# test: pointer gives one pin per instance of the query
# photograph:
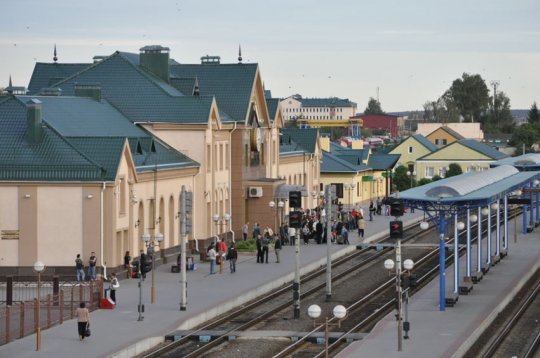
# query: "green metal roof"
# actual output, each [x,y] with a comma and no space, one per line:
[382,161]
[46,74]
[334,164]
[53,158]
[231,84]
[139,95]
[425,142]
[272,104]
[298,140]
[474,145]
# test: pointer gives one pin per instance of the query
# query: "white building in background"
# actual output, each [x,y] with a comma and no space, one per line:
[296,106]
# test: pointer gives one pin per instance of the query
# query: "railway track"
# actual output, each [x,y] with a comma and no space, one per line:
[368,309]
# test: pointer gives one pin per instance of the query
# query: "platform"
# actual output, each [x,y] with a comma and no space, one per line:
[451,332]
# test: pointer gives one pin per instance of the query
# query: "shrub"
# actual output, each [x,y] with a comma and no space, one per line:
[246,246]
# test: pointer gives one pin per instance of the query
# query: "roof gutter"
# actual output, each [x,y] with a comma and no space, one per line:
[102,232]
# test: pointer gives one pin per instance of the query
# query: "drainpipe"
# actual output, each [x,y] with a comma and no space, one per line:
[230,180]
[103,265]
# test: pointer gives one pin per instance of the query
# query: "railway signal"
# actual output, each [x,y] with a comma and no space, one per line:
[396,229]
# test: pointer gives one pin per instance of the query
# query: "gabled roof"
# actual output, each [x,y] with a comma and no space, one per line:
[231,84]
[383,161]
[272,104]
[450,131]
[298,140]
[53,158]
[473,145]
[47,74]
[333,164]
[341,151]
[139,95]
[425,142]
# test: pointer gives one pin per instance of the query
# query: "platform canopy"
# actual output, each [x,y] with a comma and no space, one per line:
[282,191]
[525,162]
[470,189]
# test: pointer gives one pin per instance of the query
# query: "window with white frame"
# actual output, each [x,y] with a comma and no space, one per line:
[430,172]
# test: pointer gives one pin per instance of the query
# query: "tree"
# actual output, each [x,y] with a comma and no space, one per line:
[499,118]
[526,134]
[401,179]
[453,170]
[373,107]
[470,95]
[424,181]
[443,110]
[534,116]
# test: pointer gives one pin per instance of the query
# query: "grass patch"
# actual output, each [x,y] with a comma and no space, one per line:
[246,246]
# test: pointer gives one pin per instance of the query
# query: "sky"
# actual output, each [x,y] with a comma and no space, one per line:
[404,52]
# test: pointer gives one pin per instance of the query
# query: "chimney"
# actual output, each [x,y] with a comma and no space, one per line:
[155,59]
[325,143]
[33,119]
[88,90]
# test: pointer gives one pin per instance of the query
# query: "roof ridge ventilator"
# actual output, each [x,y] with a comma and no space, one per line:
[465,184]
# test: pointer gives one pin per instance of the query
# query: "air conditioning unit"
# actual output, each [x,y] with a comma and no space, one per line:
[255,192]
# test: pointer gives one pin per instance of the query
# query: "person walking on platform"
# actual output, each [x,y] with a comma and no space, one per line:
[245,230]
[371,210]
[345,235]
[127,264]
[212,257]
[277,247]
[142,264]
[83,320]
[113,286]
[292,235]
[361,227]
[265,244]
[79,267]
[284,233]
[232,256]
[259,249]
[221,250]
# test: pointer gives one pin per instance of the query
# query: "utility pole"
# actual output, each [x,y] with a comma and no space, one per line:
[186,205]
[495,83]
[329,190]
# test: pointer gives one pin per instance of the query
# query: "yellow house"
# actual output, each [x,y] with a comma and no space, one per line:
[411,149]
[443,135]
[469,154]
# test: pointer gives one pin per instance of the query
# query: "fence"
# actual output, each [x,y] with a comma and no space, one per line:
[59,302]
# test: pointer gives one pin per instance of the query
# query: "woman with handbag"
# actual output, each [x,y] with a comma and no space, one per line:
[113,286]
[83,320]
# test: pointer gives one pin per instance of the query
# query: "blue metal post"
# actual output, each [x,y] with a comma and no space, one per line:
[442,259]
[505,245]
[469,258]
[479,241]
[456,256]
[489,250]
[532,207]
[498,246]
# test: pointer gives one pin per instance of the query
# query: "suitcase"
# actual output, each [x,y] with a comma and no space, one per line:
[340,240]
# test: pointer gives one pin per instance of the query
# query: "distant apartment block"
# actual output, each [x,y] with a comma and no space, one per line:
[295,107]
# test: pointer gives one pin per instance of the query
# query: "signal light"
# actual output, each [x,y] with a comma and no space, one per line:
[396,208]
[295,199]
[396,229]
[295,219]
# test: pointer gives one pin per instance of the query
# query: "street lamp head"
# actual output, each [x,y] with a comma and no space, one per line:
[389,264]
[321,193]
[408,173]
[460,225]
[473,218]
[215,217]
[314,194]
[146,237]
[414,173]
[314,311]
[518,192]
[340,312]
[226,216]
[408,264]
[353,185]
[39,266]
[485,211]
[159,237]
[281,204]
[495,206]
[536,182]
[424,225]
[272,204]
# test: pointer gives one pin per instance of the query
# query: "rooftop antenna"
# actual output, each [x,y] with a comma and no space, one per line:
[55,58]
[10,84]
[377,93]
[239,54]
[196,87]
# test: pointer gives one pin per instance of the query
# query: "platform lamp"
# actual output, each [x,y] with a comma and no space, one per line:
[314,312]
[411,175]
[150,246]
[39,267]
[408,265]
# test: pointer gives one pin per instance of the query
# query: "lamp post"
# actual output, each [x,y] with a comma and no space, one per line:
[411,175]
[407,265]
[39,267]
[350,187]
[314,311]
[150,243]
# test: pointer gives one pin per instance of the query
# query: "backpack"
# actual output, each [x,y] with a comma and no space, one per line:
[79,264]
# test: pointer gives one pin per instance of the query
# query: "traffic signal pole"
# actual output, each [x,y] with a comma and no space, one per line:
[328,210]
[183,278]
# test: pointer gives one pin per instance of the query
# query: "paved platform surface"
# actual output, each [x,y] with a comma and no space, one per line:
[451,332]
[117,333]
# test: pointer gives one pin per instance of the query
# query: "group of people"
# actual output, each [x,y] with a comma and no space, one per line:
[79,267]
[218,253]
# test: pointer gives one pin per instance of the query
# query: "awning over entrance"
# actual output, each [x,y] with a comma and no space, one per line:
[282,191]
